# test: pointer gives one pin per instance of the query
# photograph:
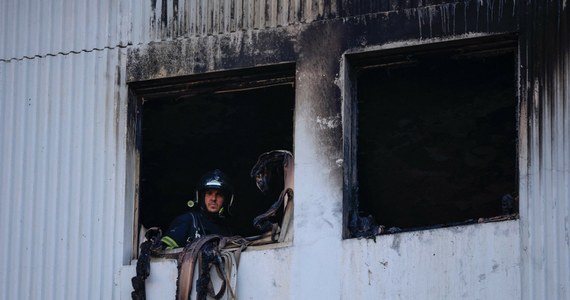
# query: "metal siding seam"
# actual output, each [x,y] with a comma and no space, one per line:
[280,13]
[210,17]
[563,262]
[142,22]
[232,15]
[152,14]
[11,31]
[8,125]
[3,33]
[53,71]
[135,29]
[83,201]
[298,12]
[542,226]
[101,184]
[26,34]
[87,201]
[123,216]
[533,211]
[566,176]
[263,16]
[549,203]
[225,20]
[273,20]
[78,38]
[105,184]
[170,20]
[17,178]
[5,204]
[248,12]
[117,138]
[59,27]
[44,27]
[29,175]
[105,32]
[175,17]
[90,26]
[38,171]
[108,255]
[114,30]
[256,15]
[62,215]
[238,15]
[6,87]
[558,185]
[192,18]
[157,21]
[40,191]
[68,231]
[216,17]
[202,17]
[227,16]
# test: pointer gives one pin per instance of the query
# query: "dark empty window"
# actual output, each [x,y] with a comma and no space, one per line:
[187,133]
[437,138]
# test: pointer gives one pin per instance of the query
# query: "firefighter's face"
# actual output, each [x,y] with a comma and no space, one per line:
[213,199]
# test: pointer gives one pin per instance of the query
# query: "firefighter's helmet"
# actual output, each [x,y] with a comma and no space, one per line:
[216,179]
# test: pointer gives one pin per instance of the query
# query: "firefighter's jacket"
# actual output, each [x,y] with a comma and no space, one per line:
[192,225]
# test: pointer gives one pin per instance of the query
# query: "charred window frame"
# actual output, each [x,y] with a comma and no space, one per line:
[219,120]
[411,120]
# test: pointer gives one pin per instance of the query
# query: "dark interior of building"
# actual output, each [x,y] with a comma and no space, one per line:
[184,137]
[437,138]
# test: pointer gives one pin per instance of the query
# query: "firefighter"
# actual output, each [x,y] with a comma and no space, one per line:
[214,196]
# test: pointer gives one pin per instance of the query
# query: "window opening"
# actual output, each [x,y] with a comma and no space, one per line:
[221,122]
[436,139]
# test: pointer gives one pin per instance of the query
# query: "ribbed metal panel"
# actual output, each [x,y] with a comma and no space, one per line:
[159,20]
[62,187]
[169,19]
[39,28]
[545,190]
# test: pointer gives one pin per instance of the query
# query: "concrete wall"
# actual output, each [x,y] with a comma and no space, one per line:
[470,262]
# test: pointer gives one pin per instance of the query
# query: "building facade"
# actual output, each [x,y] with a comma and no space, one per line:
[75,78]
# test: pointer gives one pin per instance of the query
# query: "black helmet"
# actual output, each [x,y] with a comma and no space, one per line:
[216,179]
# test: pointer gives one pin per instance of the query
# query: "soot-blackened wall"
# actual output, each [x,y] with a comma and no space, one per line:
[316,49]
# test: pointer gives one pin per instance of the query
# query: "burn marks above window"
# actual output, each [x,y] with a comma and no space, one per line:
[436,138]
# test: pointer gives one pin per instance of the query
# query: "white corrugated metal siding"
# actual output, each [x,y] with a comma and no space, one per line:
[171,19]
[62,188]
[39,28]
[545,184]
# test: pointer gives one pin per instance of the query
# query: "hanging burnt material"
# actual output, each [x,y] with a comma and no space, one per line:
[273,174]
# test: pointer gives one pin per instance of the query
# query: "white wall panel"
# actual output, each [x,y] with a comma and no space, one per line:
[467,262]
[545,166]
[62,188]
[39,28]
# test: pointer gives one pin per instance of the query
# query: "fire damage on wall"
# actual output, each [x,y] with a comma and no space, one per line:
[442,116]
[430,139]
